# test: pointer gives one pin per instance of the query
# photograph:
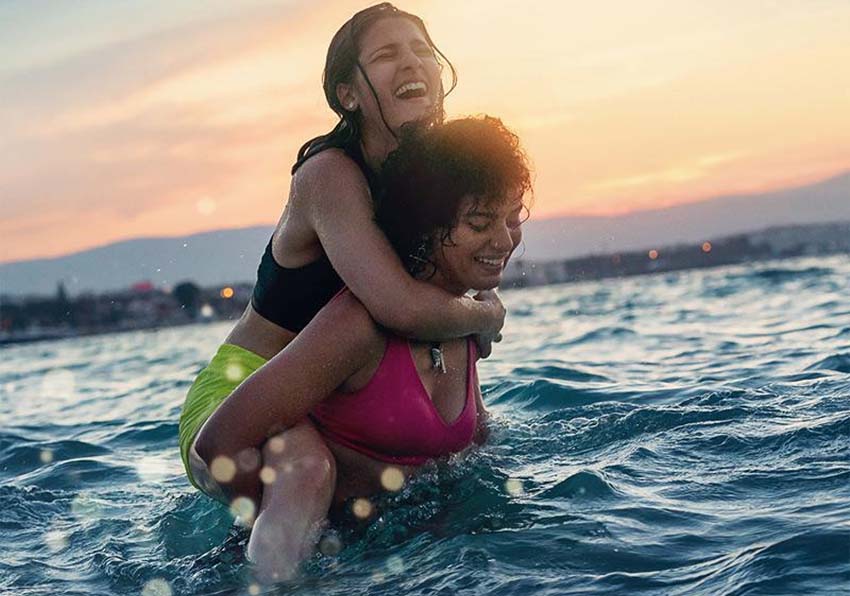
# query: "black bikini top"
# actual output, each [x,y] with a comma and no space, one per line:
[290,298]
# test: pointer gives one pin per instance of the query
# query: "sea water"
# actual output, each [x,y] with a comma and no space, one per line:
[681,433]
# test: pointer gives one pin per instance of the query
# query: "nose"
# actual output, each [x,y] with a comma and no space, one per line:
[503,237]
[410,59]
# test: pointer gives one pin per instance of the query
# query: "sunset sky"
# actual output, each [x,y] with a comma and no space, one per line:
[128,119]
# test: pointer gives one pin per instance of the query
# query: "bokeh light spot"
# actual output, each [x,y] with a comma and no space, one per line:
[234,372]
[395,564]
[58,383]
[248,459]
[56,540]
[243,510]
[706,247]
[46,456]
[156,467]
[268,475]
[276,444]
[85,507]
[330,545]
[514,487]
[254,589]
[157,587]
[207,311]
[392,478]
[223,469]
[653,254]
[206,206]
[362,508]
[226,292]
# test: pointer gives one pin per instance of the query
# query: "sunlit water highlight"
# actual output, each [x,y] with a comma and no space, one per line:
[686,433]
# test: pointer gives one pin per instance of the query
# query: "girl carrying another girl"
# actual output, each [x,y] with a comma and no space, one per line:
[452,210]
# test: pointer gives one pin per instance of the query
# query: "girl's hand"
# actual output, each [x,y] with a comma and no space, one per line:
[495,319]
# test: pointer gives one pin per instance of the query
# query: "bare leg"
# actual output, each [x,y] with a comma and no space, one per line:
[294,504]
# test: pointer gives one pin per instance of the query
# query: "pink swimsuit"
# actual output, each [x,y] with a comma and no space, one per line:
[392,418]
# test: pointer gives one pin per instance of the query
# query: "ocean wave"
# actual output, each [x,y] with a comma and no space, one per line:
[836,362]
[675,435]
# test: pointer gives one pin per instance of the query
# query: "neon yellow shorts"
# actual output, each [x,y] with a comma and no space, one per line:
[229,367]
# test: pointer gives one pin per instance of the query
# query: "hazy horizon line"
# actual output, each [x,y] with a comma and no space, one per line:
[548,217]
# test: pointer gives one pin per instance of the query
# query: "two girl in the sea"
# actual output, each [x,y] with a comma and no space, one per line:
[300,411]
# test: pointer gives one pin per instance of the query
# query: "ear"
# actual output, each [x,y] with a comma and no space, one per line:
[345,95]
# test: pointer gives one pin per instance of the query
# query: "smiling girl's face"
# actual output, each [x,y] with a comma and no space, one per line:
[403,70]
[479,246]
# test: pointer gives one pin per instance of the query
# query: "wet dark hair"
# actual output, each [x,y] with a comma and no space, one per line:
[342,63]
[434,168]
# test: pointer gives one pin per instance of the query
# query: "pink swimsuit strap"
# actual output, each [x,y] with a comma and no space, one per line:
[393,418]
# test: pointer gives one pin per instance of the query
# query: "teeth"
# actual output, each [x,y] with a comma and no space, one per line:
[491,262]
[418,85]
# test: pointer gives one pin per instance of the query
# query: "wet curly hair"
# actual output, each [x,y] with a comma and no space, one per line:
[433,169]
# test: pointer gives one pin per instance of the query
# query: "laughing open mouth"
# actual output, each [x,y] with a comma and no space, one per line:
[412,90]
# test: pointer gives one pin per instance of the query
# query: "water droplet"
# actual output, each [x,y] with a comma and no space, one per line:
[223,469]
[46,456]
[392,478]
[157,587]
[514,487]
[268,475]
[362,508]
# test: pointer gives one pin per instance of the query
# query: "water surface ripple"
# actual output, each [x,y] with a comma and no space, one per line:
[684,433]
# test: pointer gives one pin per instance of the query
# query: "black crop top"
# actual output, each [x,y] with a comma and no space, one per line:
[290,298]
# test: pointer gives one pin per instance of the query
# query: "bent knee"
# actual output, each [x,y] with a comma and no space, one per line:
[200,472]
[300,452]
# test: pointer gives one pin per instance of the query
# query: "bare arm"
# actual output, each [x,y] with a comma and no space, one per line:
[482,431]
[338,342]
[342,215]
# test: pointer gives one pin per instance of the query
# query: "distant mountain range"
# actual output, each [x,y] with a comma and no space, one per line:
[228,256]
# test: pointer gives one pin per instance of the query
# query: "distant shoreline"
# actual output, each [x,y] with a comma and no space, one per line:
[773,243]
[216,304]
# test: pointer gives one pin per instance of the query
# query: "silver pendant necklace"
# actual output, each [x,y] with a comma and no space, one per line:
[437,360]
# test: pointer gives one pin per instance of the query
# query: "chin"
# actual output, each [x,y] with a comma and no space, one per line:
[490,283]
[411,113]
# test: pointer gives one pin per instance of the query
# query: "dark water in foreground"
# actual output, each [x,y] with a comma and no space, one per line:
[674,434]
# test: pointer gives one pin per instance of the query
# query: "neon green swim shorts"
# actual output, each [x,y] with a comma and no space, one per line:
[229,367]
